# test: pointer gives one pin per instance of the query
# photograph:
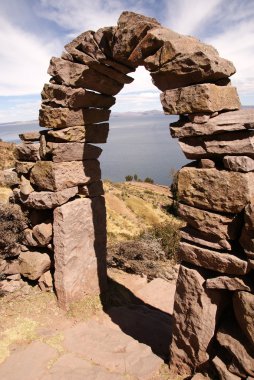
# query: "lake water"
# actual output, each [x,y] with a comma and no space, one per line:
[138,143]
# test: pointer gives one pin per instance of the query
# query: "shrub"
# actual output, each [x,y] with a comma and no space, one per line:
[128,178]
[12,224]
[148,180]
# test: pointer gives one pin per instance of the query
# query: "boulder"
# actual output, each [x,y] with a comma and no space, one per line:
[214,260]
[9,178]
[43,233]
[10,286]
[205,97]
[23,167]
[244,311]
[243,164]
[74,97]
[91,133]
[233,143]
[25,186]
[27,152]
[215,190]
[78,75]
[194,321]
[205,163]
[10,267]
[47,199]
[201,117]
[80,249]
[34,264]
[210,223]
[55,176]
[232,339]
[45,282]
[229,283]
[72,151]
[209,241]
[247,236]
[29,239]
[64,117]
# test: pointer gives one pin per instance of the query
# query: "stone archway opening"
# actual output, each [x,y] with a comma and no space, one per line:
[61,176]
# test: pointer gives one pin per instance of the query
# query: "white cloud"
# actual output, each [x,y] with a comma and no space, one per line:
[20,111]
[24,60]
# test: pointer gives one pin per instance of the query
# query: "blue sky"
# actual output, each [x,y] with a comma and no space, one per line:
[34,30]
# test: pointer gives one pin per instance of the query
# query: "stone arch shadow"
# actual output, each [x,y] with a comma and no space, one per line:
[66,176]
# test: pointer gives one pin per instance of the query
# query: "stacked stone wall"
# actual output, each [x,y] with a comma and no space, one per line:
[61,186]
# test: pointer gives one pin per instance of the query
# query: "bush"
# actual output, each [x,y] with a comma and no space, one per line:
[128,178]
[148,180]
[12,224]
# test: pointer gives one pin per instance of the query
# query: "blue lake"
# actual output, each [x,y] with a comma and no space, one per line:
[138,144]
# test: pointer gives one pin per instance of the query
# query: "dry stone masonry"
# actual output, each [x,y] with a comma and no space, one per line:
[61,189]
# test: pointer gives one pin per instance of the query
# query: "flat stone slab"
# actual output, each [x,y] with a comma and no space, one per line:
[27,151]
[91,133]
[229,283]
[209,259]
[215,190]
[205,97]
[72,151]
[29,363]
[243,164]
[64,117]
[56,176]
[47,199]
[80,249]
[112,349]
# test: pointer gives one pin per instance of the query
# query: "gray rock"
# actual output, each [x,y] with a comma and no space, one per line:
[72,151]
[27,152]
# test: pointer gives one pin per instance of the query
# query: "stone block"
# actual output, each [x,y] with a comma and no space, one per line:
[223,372]
[40,200]
[74,97]
[43,233]
[72,151]
[91,190]
[244,311]
[78,75]
[30,136]
[80,249]
[215,190]
[205,97]
[208,241]
[91,133]
[243,164]
[27,152]
[23,167]
[194,322]
[64,117]
[214,260]
[34,264]
[229,283]
[55,176]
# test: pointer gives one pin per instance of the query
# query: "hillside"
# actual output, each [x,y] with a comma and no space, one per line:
[6,155]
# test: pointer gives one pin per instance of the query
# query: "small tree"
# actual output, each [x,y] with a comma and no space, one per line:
[128,178]
[135,177]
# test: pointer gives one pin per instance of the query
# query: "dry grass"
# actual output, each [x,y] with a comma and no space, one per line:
[7,159]
[5,194]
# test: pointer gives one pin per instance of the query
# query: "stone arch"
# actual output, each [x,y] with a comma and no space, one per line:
[62,175]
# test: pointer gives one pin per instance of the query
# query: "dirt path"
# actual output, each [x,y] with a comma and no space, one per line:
[127,340]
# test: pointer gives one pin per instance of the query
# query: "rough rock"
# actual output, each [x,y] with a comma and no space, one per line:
[27,152]
[80,249]
[201,117]
[43,233]
[47,199]
[131,28]
[45,282]
[205,97]
[231,338]
[7,286]
[198,237]
[233,143]
[25,186]
[222,370]
[209,259]
[10,267]
[64,117]
[205,163]
[9,178]
[224,122]
[195,63]
[244,311]
[239,163]
[55,176]
[215,190]
[193,305]
[74,74]
[212,224]
[74,97]
[30,136]
[29,239]
[23,167]
[229,283]
[91,133]
[247,236]
[72,151]
[34,264]
[94,189]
